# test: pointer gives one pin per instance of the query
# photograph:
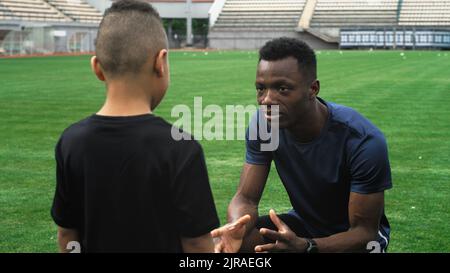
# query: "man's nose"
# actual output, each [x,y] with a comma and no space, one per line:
[269,98]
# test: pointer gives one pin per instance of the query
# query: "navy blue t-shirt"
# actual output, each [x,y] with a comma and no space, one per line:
[350,155]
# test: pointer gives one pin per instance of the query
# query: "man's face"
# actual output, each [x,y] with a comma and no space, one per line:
[281,83]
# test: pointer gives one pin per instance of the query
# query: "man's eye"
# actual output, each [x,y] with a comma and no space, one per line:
[283,89]
[259,89]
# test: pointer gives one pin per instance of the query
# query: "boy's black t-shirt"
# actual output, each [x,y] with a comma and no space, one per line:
[126,185]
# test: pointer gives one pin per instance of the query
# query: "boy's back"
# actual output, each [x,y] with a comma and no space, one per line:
[126,185]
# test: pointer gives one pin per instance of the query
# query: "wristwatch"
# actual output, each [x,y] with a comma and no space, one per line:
[311,246]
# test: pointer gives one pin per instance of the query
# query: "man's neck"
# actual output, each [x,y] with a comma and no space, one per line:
[310,127]
[125,99]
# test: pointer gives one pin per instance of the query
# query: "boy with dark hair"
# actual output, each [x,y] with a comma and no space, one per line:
[123,183]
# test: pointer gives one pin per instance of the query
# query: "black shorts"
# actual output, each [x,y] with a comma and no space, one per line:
[290,220]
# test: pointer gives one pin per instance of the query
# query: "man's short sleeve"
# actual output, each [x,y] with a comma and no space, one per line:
[254,154]
[370,170]
[196,213]
[62,210]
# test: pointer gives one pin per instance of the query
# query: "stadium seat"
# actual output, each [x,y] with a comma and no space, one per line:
[30,10]
[78,10]
[355,13]
[425,13]
[248,14]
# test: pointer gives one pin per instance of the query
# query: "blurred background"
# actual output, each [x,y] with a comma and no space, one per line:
[70,26]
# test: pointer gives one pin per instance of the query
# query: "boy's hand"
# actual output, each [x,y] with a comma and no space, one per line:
[285,239]
[228,239]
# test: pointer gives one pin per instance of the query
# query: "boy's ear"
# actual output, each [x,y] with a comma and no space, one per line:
[97,68]
[161,67]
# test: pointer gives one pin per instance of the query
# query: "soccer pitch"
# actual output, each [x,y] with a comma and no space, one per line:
[407,95]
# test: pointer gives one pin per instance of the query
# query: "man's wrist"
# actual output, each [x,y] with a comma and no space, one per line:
[301,245]
[311,246]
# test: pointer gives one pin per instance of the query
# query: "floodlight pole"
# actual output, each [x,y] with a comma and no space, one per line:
[21,39]
[189,22]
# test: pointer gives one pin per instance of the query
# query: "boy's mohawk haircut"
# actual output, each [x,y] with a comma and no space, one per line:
[131,31]
[127,5]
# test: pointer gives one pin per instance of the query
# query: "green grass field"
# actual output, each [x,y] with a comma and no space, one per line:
[407,97]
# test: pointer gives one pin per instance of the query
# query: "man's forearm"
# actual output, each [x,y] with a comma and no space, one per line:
[240,206]
[353,240]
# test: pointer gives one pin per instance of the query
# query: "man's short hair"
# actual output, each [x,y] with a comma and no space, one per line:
[130,31]
[284,47]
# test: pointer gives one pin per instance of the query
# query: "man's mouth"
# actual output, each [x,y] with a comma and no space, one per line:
[271,116]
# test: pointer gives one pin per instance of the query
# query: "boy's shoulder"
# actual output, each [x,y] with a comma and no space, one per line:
[75,129]
[147,128]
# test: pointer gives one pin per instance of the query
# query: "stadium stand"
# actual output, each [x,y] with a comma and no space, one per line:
[429,13]
[334,23]
[47,26]
[70,25]
[330,16]
[257,14]
[30,10]
[248,24]
[49,11]
[355,13]
[420,24]
[78,10]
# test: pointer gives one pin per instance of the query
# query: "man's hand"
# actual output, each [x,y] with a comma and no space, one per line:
[228,239]
[285,239]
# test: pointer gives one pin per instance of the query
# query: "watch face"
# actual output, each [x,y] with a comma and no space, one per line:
[313,249]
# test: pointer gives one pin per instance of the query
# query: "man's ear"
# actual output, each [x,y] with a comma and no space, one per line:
[161,67]
[314,89]
[97,68]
